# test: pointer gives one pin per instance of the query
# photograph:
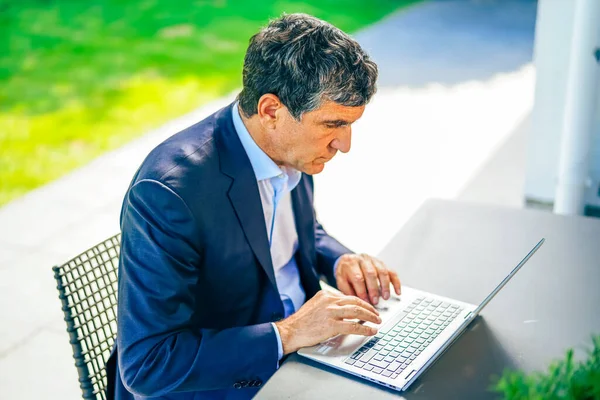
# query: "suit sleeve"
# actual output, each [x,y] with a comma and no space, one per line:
[160,352]
[328,251]
[328,248]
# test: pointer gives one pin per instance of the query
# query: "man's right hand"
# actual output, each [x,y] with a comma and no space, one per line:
[324,316]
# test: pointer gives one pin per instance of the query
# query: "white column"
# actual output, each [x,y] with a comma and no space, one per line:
[577,130]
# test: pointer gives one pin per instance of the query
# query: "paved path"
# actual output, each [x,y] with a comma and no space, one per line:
[448,121]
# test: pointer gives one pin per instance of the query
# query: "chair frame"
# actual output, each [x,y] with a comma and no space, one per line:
[86,323]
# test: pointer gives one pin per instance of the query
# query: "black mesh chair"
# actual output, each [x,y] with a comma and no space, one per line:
[87,287]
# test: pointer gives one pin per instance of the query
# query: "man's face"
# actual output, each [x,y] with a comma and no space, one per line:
[308,144]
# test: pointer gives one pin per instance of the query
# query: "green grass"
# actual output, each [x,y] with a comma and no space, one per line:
[78,78]
[564,379]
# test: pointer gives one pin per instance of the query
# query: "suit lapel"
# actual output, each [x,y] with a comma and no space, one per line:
[243,193]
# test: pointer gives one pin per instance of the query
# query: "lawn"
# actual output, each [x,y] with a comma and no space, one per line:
[78,78]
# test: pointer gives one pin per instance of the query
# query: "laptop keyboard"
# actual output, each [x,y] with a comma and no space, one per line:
[396,345]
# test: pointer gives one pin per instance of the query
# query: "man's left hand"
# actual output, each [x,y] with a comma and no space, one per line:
[365,277]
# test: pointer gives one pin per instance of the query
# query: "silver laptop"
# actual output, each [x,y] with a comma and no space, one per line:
[417,327]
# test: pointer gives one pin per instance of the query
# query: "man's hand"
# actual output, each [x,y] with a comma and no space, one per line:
[323,317]
[366,277]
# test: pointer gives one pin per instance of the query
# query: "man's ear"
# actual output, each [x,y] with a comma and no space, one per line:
[269,106]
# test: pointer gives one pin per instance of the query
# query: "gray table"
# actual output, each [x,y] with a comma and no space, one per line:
[463,250]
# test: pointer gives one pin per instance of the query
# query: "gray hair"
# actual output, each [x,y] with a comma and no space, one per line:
[305,61]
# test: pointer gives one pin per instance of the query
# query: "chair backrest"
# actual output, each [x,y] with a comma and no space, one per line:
[87,287]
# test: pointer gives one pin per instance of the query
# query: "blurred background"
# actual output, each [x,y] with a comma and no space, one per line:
[473,97]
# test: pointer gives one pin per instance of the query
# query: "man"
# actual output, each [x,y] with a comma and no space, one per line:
[221,252]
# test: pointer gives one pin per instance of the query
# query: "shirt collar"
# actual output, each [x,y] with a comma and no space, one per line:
[264,168]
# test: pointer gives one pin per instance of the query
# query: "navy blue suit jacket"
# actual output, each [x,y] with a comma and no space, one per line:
[197,291]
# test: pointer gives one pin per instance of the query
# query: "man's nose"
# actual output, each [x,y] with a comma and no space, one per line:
[343,142]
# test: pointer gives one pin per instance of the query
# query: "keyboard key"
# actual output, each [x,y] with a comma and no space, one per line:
[389,359]
[384,352]
[386,373]
[368,367]
[412,357]
[368,355]
[359,364]
[395,353]
[379,364]
[350,361]
[420,341]
[395,375]
[377,370]
[394,366]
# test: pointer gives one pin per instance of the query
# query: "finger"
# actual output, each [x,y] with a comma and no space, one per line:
[345,287]
[384,280]
[356,312]
[370,277]
[357,281]
[396,282]
[354,328]
[393,276]
[350,300]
